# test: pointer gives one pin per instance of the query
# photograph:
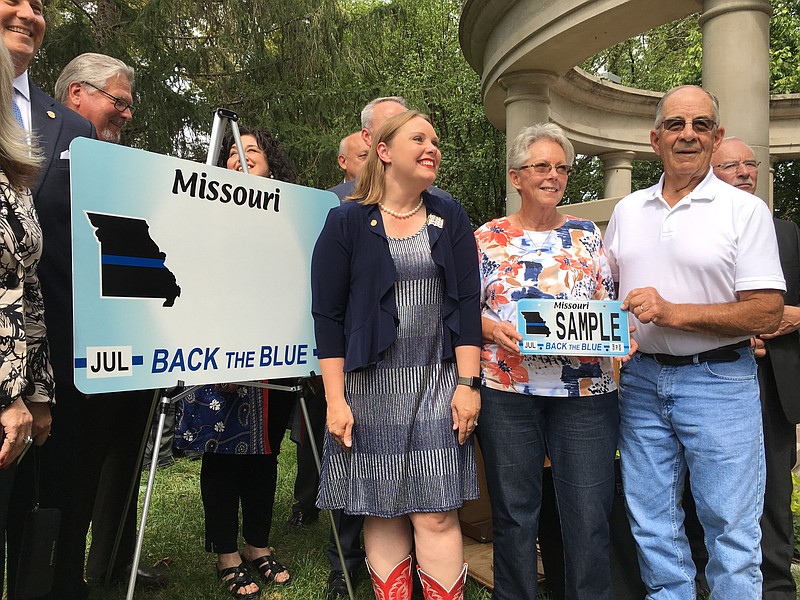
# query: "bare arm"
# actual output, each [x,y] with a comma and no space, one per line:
[789,322]
[339,415]
[756,311]
[502,333]
[466,403]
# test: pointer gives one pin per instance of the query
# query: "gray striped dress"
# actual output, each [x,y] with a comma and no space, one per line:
[405,456]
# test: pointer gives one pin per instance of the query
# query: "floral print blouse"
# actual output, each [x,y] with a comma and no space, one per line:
[565,263]
[24,353]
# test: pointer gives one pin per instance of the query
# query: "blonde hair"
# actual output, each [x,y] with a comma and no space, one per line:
[18,159]
[371,182]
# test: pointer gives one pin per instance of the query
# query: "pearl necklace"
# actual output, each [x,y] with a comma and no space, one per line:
[400,215]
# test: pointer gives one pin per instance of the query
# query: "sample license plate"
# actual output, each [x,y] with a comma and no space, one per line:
[573,327]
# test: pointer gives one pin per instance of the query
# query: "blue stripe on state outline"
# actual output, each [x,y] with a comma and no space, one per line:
[132,261]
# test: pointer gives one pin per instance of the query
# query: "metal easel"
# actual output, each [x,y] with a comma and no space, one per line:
[222,116]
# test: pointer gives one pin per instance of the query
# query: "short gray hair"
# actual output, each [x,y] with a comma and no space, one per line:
[660,106]
[366,112]
[95,69]
[530,135]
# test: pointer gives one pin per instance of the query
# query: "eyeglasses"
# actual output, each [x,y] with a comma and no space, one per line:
[700,125]
[543,168]
[749,165]
[119,104]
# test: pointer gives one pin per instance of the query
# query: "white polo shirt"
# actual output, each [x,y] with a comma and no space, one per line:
[715,242]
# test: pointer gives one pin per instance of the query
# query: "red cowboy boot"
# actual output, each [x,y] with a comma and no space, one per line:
[397,586]
[433,590]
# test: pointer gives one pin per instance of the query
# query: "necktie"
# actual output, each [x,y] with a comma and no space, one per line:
[17,111]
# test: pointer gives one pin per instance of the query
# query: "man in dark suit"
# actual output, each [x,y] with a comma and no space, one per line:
[54,127]
[779,378]
[100,89]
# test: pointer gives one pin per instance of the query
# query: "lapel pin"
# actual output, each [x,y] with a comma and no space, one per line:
[51,114]
[373,222]
[435,220]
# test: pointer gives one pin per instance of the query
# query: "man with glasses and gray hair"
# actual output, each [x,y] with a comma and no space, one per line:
[99,88]
[696,262]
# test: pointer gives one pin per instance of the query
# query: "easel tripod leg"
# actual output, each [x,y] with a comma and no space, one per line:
[163,406]
[334,529]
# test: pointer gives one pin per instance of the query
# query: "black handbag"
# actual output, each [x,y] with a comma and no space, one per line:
[37,557]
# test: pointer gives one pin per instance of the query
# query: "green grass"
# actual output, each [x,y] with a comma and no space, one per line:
[174,538]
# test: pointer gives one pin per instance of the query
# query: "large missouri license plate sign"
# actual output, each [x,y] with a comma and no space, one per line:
[573,327]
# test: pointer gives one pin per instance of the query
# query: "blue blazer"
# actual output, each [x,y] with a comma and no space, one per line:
[353,275]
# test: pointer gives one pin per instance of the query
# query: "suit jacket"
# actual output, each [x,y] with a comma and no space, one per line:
[784,351]
[353,277]
[55,126]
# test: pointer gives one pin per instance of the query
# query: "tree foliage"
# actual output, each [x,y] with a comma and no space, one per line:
[304,69]
[672,54]
[301,68]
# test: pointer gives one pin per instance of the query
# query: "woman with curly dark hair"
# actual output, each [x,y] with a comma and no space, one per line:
[239,431]
[265,156]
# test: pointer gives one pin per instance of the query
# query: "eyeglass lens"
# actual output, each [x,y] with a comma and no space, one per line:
[544,168]
[700,125]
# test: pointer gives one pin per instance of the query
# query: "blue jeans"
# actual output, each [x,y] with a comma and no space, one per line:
[705,416]
[580,436]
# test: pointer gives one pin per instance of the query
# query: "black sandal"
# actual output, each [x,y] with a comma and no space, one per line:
[267,567]
[234,579]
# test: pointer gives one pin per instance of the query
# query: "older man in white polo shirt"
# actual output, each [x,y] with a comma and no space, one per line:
[697,265]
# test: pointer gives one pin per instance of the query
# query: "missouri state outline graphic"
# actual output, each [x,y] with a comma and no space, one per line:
[131,263]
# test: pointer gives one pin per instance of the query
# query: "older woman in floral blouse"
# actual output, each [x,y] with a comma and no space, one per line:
[563,407]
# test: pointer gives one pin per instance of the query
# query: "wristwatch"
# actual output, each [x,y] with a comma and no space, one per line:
[473,382]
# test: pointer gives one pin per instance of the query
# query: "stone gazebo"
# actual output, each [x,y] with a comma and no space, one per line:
[526,50]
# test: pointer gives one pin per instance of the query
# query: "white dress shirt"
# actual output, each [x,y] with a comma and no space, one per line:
[22,94]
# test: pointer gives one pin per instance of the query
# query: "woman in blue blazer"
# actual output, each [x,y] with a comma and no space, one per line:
[396,310]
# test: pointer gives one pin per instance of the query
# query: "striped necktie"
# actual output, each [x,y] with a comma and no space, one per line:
[17,111]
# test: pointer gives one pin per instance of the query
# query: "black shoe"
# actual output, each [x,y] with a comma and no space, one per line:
[146,577]
[337,587]
[163,463]
[301,519]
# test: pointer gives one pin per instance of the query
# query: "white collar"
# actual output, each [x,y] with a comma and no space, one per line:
[22,85]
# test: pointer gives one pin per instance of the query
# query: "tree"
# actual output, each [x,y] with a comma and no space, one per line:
[672,55]
[301,68]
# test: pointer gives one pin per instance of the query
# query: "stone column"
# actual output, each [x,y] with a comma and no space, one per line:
[617,169]
[771,200]
[736,69]
[527,102]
